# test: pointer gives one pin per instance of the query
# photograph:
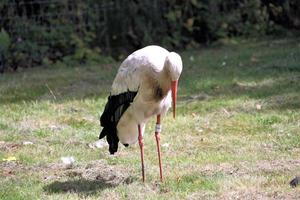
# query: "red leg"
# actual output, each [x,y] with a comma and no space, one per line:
[157,136]
[141,143]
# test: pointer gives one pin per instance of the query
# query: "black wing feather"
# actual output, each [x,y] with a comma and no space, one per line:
[113,111]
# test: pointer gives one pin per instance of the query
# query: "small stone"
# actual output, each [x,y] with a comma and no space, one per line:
[98,144]
[68,161]
[27,143]
[258,106]
[166,145]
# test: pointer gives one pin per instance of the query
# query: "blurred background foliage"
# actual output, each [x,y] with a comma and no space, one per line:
[68,32]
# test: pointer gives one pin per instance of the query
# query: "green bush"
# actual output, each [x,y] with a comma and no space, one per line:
[4,41]
[4,48]
[43,33]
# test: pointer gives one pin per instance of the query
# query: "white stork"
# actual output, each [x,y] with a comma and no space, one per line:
[145,85]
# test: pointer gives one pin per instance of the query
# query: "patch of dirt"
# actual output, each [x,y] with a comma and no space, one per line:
[101,171]
[202,195]
[9,146]
[278,165]
[255,194]
[8,169]
[212,169]
[85,178]
[96,171]
[247,167]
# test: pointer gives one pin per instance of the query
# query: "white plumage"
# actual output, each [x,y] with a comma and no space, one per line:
[142,71]
[153,73]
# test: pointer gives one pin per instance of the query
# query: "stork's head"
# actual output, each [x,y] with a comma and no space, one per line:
[174,66]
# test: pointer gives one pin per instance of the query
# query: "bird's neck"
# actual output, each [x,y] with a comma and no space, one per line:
[164,80]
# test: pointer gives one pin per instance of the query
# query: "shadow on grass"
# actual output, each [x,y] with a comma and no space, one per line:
[82,186]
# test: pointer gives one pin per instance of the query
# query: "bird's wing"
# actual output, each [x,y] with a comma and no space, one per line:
[127,78]
[114,109]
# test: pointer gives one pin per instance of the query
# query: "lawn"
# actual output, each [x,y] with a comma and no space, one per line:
[236,135]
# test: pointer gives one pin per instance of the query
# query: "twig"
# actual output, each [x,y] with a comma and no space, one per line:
[51,91]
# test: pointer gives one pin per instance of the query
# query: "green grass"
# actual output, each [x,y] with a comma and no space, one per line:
[236,133]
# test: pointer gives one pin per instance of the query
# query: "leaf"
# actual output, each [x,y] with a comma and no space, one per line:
[10,158]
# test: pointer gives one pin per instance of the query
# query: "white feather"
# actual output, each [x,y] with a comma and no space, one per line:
[144,71]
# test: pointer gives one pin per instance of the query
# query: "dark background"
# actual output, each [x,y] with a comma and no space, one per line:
[70,32]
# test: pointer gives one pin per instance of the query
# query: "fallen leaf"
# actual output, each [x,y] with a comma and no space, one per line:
[10,158]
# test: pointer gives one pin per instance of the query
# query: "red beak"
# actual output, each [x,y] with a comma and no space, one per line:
[174,96]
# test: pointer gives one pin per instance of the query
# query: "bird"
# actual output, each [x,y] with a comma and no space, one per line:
[145,86]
